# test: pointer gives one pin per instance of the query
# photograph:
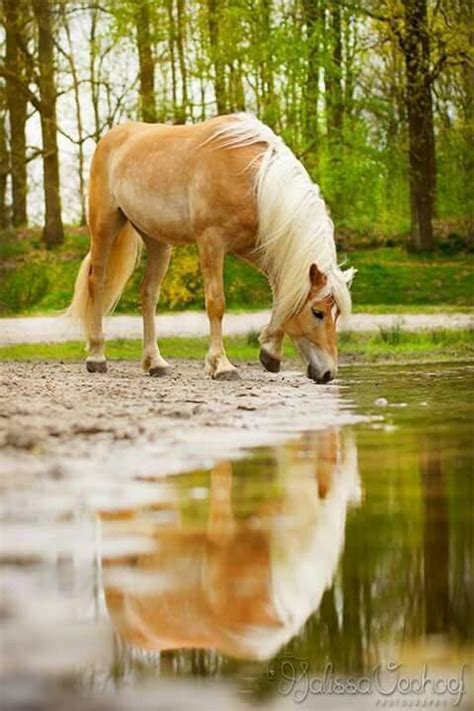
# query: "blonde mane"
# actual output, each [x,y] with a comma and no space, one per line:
[295,229]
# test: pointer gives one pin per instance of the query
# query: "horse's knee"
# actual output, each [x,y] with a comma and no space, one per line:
[215,305]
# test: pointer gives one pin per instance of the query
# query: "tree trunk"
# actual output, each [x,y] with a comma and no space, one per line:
[80,125]
[333,76]
[422,161]
[269,103]
[53,232]
[16,104]
[171,46]
[4,165]
[236,87]
[214,38]
[311,11]
[146,63]
[94,79]
[180,42]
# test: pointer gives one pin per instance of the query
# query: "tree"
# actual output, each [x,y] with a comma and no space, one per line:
[213,7]
[53,232]
[422,161]
[333,75]
[4,169]
[146,63]
[312,16]
[81,137]
[17,106]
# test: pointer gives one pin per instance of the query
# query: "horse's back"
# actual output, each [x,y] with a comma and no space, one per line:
[174,181]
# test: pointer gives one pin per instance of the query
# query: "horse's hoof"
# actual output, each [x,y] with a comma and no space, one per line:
[96,366]
[269,362]
[227,375]
[158,372]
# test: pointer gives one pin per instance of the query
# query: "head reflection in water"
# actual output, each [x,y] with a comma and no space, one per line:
[246,579]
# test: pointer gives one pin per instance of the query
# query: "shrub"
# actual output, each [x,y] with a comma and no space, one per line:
[19,291]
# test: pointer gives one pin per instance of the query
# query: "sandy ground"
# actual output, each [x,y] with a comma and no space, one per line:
[99,433]
[56,329]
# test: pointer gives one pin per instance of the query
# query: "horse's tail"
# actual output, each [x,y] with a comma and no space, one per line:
[124,256]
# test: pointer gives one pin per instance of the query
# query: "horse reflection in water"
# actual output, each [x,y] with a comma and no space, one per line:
[242,583]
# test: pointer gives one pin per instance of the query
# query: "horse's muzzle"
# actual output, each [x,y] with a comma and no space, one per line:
[319,377]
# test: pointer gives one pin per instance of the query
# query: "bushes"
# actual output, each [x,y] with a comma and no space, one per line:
[20,291]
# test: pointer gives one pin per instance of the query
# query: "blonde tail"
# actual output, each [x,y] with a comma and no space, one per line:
[123,258]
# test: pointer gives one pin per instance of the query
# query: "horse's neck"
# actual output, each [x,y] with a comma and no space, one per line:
[252,257]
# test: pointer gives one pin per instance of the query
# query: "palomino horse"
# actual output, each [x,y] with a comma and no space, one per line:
[230,185]
[244,579]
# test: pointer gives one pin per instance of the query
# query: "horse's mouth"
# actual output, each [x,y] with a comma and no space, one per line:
[316,375]
[319,367]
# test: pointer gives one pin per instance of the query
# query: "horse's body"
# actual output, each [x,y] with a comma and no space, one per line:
[230,186]
[229,584]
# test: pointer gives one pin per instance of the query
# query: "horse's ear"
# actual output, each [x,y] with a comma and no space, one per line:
[317,278]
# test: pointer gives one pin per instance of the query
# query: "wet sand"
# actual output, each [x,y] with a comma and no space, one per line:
[58,421]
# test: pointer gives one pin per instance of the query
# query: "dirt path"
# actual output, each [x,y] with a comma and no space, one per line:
[94,435]
[56,329]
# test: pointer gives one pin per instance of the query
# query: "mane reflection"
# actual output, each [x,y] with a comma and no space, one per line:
[243,568]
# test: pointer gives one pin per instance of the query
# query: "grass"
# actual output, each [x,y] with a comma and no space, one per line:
[390,279]
[387,345]
[36,281]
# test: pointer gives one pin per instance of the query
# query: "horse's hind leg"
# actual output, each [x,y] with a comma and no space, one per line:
[104,229]
[211,253]
[158,260]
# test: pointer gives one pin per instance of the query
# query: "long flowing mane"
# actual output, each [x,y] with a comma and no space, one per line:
[295,229]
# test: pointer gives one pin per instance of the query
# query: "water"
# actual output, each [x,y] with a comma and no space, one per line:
[350,547]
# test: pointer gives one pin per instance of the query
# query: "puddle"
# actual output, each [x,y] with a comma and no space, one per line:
[349,546]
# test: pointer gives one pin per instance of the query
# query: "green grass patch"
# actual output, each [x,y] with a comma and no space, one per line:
[390,344]
[34,280]
[394,279]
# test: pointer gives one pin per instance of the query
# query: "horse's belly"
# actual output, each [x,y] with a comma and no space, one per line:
[151,191]
[157,214]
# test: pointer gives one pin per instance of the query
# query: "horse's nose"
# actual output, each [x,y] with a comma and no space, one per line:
[314,375]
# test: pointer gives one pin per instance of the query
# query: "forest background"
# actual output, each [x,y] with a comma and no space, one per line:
[375,98]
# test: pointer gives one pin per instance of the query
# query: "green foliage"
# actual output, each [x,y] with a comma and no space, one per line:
[34,280]
[20,291]
[392,336]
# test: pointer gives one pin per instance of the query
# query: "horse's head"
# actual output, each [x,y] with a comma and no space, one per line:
[313,329]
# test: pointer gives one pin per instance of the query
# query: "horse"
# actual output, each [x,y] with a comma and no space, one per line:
[241,581]
[229,185]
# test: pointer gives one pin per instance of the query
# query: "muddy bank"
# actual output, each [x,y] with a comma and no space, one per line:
[59,422]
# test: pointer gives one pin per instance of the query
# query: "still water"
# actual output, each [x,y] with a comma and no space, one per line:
[334,555]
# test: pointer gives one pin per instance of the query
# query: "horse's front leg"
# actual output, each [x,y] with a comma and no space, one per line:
[271,337]
[211,254]
[157,264]
[271,341]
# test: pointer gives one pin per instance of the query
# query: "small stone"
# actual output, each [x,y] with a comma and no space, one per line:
[381,402]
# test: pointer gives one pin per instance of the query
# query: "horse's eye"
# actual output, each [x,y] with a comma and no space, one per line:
[318,314]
